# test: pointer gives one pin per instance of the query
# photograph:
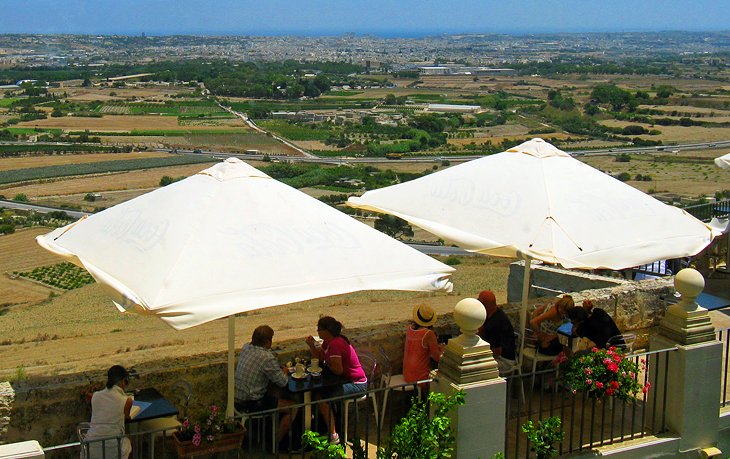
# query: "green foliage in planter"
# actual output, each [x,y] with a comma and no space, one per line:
[543,436]
[420,435]
[64,275]
[321,447]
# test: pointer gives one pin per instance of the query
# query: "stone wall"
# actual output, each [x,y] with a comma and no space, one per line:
[48,409]
[7,396]
[548,281]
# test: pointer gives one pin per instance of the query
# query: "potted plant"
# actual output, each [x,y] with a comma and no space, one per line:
[604,372]
[424,434]
[320,446]
[543,436]
[208,433]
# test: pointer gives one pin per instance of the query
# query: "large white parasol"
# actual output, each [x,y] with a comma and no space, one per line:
[535,201]
[231,239]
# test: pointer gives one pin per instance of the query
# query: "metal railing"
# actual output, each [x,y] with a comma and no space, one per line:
[368,429]
[723,335]
[586,421]
[707,212]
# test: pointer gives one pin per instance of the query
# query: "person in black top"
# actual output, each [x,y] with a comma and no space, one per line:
[498,332]
[594,324]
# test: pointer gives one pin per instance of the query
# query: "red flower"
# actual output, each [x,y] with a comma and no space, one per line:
[616,358]
[613,368]
[599,385]
[589,370]
[614,384]
[609,391]
[594,349]
[589,382]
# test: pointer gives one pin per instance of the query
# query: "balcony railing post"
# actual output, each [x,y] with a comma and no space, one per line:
[693,373]
[468,365]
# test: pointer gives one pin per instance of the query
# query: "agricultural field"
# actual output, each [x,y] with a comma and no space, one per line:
[102,167]
[56,160]
[131,180]
[19,252]
[65,276]
[120,123]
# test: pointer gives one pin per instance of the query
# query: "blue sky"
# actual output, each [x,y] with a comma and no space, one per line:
[381,17]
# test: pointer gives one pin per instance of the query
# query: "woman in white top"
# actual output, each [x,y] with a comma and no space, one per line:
[110,407]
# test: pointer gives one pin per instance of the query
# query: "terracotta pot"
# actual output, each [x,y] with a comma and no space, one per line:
[224,442]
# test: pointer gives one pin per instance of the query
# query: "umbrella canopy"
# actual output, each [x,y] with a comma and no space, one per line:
[537,201]
[723,162]
[231,239]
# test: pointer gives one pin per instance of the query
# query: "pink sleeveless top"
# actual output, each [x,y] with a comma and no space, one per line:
[416,357]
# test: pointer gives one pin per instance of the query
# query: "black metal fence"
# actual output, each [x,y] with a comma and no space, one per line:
[707,212]
[366,427]
[586,421]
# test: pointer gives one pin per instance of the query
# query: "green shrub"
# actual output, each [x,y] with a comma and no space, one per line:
[543,436]
[420,435]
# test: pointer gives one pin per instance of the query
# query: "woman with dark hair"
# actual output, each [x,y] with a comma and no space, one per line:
[341,359]
[110,407]
[595,324]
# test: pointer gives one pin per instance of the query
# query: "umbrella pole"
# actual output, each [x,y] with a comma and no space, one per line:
[525,298]
[231,364]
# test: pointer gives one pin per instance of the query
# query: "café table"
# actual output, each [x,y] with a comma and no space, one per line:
[153,405]
[310,384]
[156,413]
[566,336]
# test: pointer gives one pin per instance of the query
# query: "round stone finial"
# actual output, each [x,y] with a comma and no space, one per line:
[689,282]
[469,315]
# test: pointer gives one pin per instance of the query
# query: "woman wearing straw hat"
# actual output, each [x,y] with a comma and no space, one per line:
[421,345]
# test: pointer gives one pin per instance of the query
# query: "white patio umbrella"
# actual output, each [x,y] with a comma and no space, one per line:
[723,162]
[535,201]
[231,239]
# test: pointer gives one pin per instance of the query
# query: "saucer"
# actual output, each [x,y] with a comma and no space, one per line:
[297,376]
[317,370]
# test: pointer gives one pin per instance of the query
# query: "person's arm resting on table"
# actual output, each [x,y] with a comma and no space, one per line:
[274,372]
[537,320]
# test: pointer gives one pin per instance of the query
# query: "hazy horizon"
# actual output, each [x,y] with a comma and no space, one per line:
[407,18]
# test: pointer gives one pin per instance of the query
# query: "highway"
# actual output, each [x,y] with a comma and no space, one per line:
[666,149]
[41,209]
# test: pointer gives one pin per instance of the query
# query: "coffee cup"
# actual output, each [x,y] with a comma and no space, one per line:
[314,365]
[299,369]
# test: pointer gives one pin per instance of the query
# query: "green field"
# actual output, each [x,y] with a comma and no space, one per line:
[296,131]
[65,275]
[9,150]
[7,102]
[65,170]
[168,109]
[32,131]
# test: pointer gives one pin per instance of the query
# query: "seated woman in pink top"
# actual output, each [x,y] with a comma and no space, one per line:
[421,345]
[341,359]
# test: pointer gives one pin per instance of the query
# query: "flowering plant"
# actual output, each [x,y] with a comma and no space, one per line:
[604,372]
[207,427]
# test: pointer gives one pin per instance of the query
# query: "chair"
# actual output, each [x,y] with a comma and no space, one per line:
[530,352]
[369,364]
[516,368]
[81,429]
[624,341]
[392,382]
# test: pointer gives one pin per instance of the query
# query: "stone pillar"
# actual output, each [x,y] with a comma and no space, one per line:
[695,369]
[7,396]
[468,365]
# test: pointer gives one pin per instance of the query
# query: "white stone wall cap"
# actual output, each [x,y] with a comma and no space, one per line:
[469,314]
[689,282]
